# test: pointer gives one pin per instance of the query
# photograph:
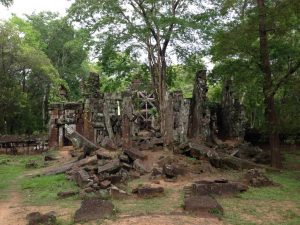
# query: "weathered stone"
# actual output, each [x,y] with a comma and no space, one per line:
[255,178]
[104,154]
[202,204]
[126,166]
[124,158]
[141,166]
[169,171]
[219,188]
[37,218]
[148,191]
[145,145]
[156,172]
[112,166]
[134,174]
[117,193]
[108,143]
[89,190]
[105,184]
[115,178]
[157,141]
[135,154]
[82,178]
[67,194]
[94,209]
[172,170]
[87,161]
[49,158]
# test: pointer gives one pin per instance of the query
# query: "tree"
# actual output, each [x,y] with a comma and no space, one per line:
[64,46]
[147,25]
[26,77]
[264,36]
[6,2]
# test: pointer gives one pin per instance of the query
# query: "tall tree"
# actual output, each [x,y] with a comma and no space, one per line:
[64,46]
[145,25]
[263,36]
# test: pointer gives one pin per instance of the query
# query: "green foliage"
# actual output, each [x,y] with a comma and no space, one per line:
[236,53]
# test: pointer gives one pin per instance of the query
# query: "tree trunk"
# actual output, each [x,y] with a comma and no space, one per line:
[270,111]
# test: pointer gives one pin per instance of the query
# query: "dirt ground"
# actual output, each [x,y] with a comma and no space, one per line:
[13,209]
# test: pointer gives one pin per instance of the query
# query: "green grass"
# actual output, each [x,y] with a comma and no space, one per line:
[43,190]
[276,205]
[11,168]
[37,190]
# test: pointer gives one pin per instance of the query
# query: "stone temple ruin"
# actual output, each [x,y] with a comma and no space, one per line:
[130,119]
[107,122]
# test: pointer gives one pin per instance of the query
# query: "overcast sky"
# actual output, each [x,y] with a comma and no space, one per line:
[21,7]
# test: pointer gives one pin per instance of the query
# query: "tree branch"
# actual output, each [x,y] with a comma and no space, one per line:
[291,71]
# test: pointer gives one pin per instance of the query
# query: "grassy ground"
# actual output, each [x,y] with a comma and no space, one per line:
[11,169]
[271,205]
[35,190]
[279,205]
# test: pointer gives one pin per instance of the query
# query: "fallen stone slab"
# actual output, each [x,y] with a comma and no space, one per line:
[67,194]
[112,166]
[141,166]
[82,178]
[217,187]
[94,209]
[65,167]
[105,184]
[103,153]
[148,191]
[135,154]
[202,204]
[36,218]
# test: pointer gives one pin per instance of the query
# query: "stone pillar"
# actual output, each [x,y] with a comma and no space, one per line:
[127,116]
[53,130]
[199,113]
[169,120]
[233,117]
[61,136]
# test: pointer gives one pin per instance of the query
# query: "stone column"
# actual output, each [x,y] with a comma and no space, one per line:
[127,116]
[199,113]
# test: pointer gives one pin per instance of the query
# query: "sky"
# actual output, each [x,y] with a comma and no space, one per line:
[21,7]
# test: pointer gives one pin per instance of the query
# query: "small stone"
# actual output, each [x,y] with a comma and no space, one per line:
[105,184]
[67,194]
[88,190]
[117,193]
[124,158]
[141,166]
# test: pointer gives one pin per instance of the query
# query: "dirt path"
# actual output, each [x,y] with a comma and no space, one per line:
[7,207]
[165,220]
